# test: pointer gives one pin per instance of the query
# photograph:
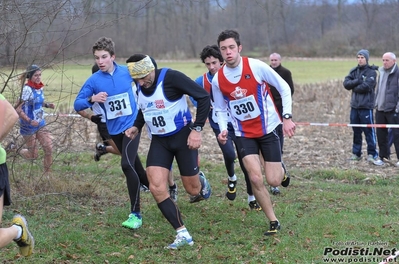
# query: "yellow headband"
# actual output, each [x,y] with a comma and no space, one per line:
[140,69]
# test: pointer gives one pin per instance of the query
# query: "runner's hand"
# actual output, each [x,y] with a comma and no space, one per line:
[222,137]
[132,132]
[96,118]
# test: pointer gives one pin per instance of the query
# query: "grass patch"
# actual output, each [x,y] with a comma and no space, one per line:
[76,217]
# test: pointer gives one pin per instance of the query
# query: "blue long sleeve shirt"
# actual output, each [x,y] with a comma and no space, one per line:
[121,107]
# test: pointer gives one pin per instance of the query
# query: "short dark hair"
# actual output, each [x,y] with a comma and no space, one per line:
[211,51]
[106,44]
[229,33]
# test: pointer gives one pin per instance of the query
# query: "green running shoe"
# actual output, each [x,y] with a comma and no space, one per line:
[133,222]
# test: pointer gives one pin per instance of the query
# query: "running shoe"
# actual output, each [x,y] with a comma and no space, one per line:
[26,242]
[274,228]
[206,189]
[173,193]
[101,149]
[133,222]
[253,205]
[231,190]
[10,146]
[181,241]
[144,188]
[274,190]
[196,198]
[286,180]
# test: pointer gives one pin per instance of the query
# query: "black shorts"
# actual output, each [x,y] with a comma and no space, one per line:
[164,149]
[5,184]
[268,145]
[103,130]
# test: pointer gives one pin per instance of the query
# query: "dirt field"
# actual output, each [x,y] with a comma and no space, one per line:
[313,147]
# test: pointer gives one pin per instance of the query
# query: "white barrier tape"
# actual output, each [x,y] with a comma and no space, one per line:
[297,123]
[63,115]
[347,125]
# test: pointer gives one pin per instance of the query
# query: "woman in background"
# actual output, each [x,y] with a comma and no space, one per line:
[31,115]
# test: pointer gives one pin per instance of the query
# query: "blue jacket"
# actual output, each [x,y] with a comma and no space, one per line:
[117,84]
[361,80]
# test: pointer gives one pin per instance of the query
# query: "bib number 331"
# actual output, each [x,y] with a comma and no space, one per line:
[118,105]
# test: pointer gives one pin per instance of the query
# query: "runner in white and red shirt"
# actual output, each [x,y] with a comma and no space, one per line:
[241,89]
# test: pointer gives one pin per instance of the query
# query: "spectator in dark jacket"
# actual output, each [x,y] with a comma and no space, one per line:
[275,63]
[361,80]
[387,104]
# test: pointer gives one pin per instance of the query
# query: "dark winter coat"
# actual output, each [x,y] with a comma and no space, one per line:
[287,76]
[362,80]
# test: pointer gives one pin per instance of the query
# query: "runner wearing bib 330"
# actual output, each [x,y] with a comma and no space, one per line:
[241,87]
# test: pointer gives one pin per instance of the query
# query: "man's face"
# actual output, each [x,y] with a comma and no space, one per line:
[361,60]
[387,61]
[147,81]
[104,60]
[274,61]
[230,52]
[212,64]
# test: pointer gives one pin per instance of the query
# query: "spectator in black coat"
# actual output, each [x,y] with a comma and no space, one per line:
[361,80]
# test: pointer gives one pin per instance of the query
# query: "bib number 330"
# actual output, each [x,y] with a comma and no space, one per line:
[245,108]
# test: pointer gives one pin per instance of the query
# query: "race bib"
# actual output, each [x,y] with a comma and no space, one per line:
[118,105]
[38,115]
[245,108]
[160,122]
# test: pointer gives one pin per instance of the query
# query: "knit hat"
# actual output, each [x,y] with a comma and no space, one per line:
[142,68]
[364,53]
[31,70]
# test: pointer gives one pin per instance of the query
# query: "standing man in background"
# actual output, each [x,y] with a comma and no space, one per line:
[275,63]
[361,80]
[387,104]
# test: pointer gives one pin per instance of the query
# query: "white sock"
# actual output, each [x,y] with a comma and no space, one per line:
[183,232]
[251,198]
[233,178]
[19,232]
